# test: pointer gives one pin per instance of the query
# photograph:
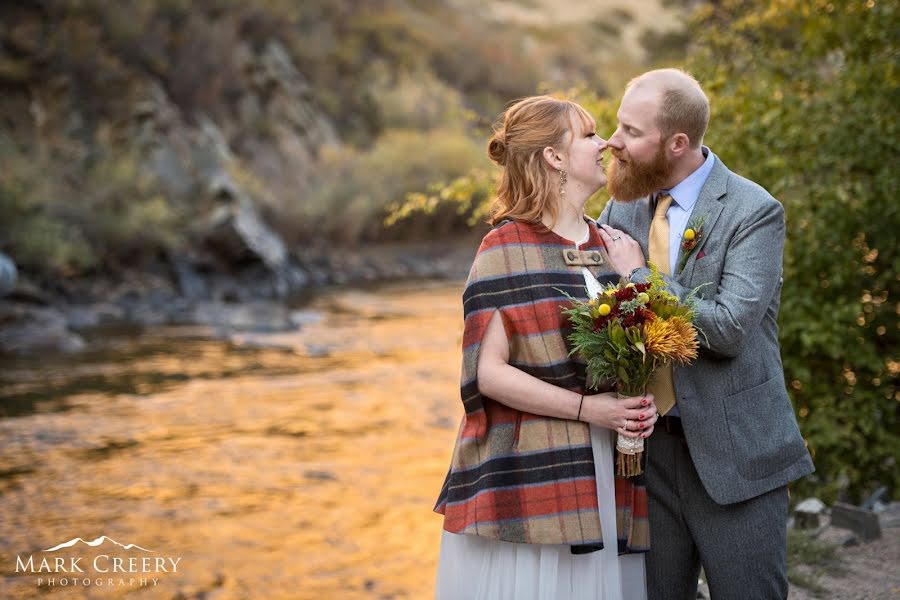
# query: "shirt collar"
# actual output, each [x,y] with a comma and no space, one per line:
[687,191]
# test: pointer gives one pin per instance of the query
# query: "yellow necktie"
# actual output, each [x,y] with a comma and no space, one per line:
[661,384]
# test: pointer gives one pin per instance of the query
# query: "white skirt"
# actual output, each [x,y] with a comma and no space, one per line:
[476,568]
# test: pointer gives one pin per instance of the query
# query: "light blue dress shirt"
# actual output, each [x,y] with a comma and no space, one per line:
[684,197]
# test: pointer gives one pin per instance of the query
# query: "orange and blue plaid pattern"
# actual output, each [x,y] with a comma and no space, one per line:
[515,476]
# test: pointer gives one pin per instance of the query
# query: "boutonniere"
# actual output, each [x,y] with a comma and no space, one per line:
[690,238]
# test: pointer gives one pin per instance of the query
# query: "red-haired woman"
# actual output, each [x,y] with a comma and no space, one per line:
[531,507]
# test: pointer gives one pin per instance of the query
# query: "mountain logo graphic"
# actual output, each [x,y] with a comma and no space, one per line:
[94,543]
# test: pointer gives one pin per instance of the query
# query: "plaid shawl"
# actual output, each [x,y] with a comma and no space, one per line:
[516,476]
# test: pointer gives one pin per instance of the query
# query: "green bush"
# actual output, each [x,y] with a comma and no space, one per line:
[32,234]
[354,189]
[469,194]
[804,101]
[123,212]
[419,101]
[113,215]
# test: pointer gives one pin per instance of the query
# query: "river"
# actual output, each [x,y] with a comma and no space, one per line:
[297,465]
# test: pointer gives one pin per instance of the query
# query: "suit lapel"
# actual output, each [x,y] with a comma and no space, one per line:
[709,206]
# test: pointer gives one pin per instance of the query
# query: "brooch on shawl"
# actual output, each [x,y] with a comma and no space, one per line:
[582,258]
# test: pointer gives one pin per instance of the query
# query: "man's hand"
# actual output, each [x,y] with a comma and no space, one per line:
[624,251]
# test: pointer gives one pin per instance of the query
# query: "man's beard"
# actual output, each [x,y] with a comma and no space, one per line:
[635,180]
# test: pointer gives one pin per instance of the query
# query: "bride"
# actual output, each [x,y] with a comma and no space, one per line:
[531,507]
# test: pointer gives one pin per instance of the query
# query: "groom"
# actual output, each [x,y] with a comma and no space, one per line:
[719,461]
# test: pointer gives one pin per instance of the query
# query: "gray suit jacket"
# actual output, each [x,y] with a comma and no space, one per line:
[738,420]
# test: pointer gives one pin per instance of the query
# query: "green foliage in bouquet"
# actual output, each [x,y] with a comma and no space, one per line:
[629,330]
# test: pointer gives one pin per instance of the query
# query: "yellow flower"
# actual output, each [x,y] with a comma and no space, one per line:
[689,234]
[643,297]
[604,310]
[673,338]
[630,285]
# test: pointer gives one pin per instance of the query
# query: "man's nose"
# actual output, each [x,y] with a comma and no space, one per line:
[615,140]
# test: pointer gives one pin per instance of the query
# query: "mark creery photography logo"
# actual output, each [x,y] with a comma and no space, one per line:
[102,562]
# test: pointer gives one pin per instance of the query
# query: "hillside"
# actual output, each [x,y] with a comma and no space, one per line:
[159,153]
[129,129]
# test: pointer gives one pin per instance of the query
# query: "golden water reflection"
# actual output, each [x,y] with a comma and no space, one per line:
[299,465]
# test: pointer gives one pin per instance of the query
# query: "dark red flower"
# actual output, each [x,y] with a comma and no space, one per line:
[600,323]
[640,316]
[626,293]
[647,315]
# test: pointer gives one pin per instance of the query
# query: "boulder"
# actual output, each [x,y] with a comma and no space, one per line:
[258,316]
[861,521]
[27,329]
[85,316]
[8,275]
[808,512]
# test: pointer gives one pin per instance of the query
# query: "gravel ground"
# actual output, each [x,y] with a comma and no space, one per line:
[870,571]
[862,572]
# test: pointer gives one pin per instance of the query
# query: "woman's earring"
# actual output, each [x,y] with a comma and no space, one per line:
[563,178]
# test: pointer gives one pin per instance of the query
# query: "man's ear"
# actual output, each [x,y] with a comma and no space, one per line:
[553,159]
[679,144]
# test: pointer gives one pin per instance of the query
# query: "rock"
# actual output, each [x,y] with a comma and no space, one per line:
[28,292]
[837,536]
[302,318]
[236,231]
[261,341]
[278,70]
[320,475]
[874,502]
[318,350]
[167,163]
[889,516]
[296,278]
[81,317]
[150,302]
[28,329]
[258,316]
[807,513]
[8,275]
[859,520]
[191,285]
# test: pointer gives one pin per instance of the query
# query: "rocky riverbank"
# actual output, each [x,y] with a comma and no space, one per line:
[52,317]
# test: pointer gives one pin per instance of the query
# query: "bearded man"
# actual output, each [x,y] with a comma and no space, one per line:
[719,461]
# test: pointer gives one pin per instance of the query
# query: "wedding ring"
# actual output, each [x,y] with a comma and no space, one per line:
[626,425]
[617,238]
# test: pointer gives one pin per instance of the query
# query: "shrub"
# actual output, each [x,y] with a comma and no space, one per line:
[352,193]
[804,102]
[115,214]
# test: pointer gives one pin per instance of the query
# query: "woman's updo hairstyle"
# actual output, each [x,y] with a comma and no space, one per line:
[497,149]
[528,186]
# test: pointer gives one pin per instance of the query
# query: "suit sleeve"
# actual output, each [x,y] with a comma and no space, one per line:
[751,275]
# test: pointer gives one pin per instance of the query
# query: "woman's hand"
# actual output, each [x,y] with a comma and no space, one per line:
[632,416]
[504,383]
[624,251]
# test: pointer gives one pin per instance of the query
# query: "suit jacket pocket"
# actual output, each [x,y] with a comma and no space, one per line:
[765,438]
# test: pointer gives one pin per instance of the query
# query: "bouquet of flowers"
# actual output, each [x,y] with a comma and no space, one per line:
[626,333]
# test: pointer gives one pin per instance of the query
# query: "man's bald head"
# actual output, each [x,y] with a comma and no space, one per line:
[683,107]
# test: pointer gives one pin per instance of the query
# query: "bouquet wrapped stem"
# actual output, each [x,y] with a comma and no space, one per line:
[629,450]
